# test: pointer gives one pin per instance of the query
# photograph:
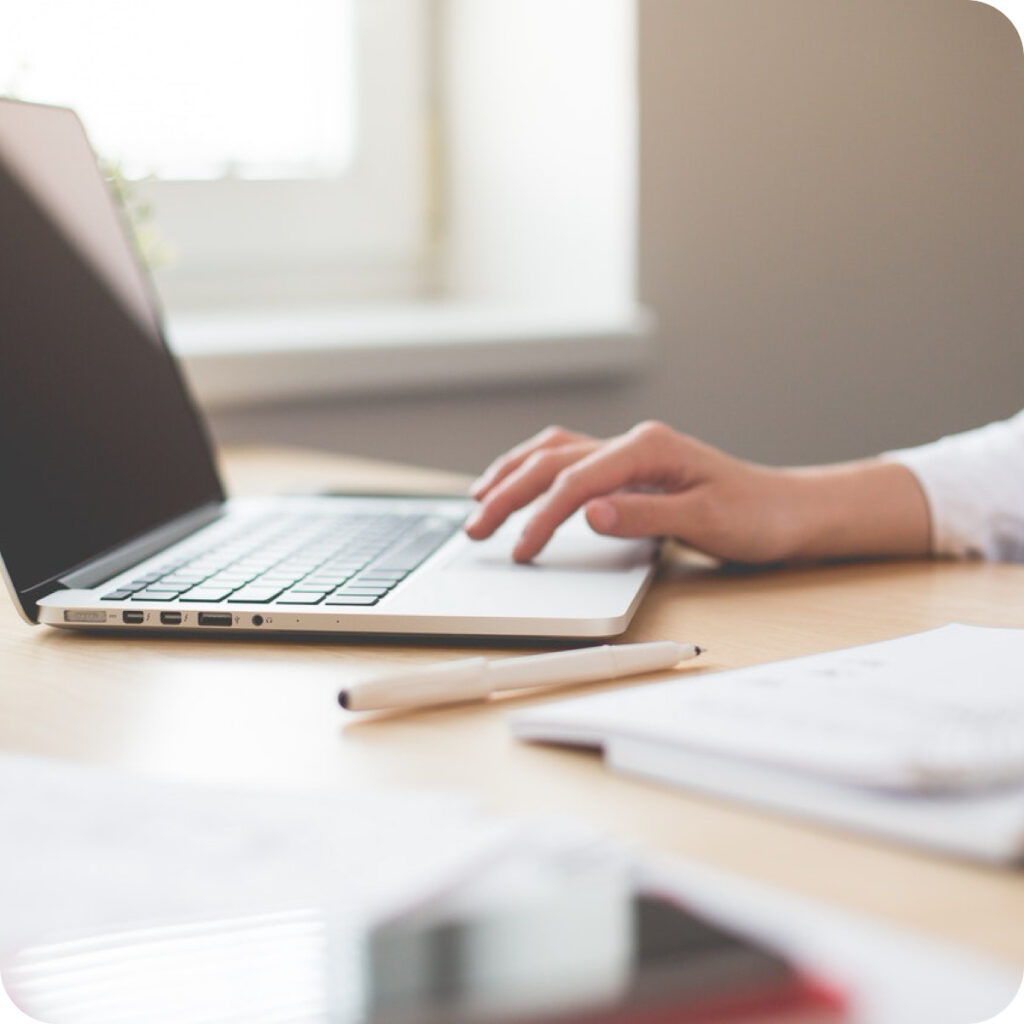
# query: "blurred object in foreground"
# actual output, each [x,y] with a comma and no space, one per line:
[525,943]
[522,942]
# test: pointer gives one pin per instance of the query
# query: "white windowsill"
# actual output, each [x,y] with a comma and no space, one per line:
[237,358]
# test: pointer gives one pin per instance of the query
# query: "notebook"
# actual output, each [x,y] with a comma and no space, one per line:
[919,739]
[114,517]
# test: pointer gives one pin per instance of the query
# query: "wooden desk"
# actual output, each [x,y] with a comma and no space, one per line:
[263,712]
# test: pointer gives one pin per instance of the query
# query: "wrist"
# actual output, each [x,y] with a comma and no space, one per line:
[870,508]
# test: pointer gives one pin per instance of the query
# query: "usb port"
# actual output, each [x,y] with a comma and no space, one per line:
[215,618]
[133,618]
[170,618]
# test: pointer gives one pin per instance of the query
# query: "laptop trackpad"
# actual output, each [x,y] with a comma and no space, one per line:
[574,548]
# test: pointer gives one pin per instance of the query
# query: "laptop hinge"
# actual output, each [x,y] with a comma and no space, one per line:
[96,571]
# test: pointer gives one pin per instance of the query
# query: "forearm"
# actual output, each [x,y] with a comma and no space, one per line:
[858,509]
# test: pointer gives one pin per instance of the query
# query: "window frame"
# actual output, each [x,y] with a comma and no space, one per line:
[359,236]
[517,294]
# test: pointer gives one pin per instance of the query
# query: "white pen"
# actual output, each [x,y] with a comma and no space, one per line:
[468,679]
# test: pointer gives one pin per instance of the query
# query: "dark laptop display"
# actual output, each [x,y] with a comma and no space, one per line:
[101,443]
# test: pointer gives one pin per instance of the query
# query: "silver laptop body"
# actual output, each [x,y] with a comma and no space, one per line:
[113,516]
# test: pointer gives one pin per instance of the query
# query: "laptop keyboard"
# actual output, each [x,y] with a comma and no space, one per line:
[351,558]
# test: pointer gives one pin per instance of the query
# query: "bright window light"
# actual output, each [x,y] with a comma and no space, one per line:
[194,89]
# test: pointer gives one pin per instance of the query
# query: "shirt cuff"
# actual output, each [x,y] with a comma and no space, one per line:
[974,485]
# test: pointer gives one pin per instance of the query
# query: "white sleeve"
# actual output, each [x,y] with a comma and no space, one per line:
[974,484]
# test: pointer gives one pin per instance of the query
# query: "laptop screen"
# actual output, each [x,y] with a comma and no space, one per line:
[99,441]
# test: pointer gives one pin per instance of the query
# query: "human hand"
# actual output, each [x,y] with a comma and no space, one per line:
[650,481]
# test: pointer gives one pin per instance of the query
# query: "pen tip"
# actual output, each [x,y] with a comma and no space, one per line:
[343,699]
[699,649]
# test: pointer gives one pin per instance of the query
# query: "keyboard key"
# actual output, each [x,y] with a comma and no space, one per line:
[149,577]
[206,594]
[156,595]
[300,597]
[351,599]
[327,580]
[371,581]
[117,595]
[268,580]
[375,591]
[255,595]
[185,577]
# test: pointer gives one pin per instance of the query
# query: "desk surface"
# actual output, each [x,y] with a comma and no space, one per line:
[261,712]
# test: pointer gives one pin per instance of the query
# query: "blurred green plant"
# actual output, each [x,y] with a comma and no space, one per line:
[152,248]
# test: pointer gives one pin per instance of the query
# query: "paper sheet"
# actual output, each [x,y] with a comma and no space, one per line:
[86,849]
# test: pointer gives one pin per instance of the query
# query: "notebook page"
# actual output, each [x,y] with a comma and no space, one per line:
[937,711]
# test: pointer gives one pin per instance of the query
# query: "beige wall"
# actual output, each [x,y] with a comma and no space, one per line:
[831,237]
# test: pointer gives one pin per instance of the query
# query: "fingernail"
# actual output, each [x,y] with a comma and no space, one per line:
[473,521]
[602,516]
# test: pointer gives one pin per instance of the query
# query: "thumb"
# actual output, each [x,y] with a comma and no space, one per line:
[639,515]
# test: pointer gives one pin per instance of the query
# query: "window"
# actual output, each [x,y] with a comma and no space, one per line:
[280,141]
[462,170]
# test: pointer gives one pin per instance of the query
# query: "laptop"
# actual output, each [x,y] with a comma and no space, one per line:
[113,517]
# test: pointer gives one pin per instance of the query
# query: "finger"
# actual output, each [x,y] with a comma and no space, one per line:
[631,459]
[532,478]
[549,437]
[645,515]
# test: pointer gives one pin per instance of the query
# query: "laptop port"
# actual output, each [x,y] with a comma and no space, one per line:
[132,618]
[85,615]
[215,618]
[170,618]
